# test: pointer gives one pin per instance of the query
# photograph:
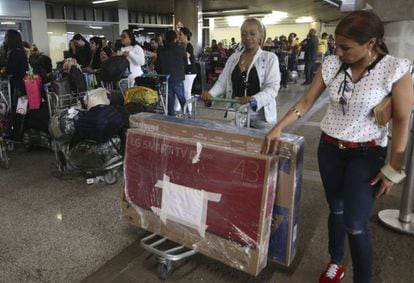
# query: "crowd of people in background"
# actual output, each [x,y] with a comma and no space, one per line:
[291,52]
[159,55]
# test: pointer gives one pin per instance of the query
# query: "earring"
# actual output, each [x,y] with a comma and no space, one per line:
[370,57]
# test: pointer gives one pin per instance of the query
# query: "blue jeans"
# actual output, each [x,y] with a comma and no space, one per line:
[175,89]
[346,176]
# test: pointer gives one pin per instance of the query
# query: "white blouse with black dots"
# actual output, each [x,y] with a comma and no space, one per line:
[353,120]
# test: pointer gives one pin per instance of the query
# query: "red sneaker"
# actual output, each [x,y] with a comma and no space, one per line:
[332,274]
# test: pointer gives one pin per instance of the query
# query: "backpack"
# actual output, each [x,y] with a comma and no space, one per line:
[100,123]
[77,80]
[113,69]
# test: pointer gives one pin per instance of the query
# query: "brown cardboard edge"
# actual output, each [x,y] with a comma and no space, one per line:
[241,256]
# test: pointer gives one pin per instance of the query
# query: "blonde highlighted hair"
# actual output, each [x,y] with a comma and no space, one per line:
[260,26]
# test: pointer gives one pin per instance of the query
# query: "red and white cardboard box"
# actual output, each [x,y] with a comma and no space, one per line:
[215,199]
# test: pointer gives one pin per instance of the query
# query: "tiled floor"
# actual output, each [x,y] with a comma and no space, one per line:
[66,231]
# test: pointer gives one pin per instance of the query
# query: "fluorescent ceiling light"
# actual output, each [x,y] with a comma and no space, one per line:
[235,21]
[137,29]
[274,17]
[103,1]
[8,23]
[224,11]
[50,32]
[332,3]
[150,32]
[95,27]
[302,20]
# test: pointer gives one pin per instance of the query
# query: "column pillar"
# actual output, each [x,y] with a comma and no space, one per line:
[189,12]
[39,25]
[122,20]
[398,18]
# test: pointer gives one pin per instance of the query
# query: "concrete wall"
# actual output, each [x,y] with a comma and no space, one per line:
[399,38]
[397,10]
[39,25]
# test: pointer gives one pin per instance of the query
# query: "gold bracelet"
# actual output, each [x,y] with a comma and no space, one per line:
[296,111]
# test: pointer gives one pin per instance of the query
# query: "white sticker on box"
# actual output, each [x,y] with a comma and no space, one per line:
[184,205]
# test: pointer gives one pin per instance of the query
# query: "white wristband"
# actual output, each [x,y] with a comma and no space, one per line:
[392,174]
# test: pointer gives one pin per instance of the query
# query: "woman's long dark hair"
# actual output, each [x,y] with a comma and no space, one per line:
[361,26]
[98,43]
[186,32]
[131,36]
[14,39]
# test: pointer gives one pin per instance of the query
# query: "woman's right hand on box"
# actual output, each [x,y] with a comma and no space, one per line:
[271,141]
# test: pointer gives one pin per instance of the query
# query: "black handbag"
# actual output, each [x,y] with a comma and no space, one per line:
[61,86]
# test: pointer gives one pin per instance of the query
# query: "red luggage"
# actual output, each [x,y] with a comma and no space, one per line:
[33,86]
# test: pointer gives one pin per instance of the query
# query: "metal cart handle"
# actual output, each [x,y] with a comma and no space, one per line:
[195,98]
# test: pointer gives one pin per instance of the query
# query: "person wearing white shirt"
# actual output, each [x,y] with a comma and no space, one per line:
[134,53]
[251,74]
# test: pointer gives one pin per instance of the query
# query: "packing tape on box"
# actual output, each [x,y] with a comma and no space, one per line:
[185,205]
[196,157]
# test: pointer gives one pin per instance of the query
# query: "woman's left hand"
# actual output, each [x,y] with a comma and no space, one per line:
[126,53]
[385,186]
[244,99]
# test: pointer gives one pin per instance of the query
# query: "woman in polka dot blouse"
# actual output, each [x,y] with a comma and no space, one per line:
[353,148]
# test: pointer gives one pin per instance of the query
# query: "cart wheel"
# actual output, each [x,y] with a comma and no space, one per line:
[10,146]
[5,158]
[28,147]
[110,177]
[57,170]
[165,269]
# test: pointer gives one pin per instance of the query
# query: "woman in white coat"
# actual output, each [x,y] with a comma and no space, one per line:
[251,74]
[134,53]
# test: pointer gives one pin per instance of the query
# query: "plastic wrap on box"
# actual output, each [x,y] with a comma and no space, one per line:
[284,233]
[216,200]
[285,212]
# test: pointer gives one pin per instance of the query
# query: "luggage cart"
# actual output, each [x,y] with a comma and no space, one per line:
[5,89]
[168,256]
[56,105]
[158,82]
[59,103]
[4,145]
[242,113]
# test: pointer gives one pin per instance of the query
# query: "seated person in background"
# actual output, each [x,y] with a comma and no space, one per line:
[251,74]
[221,50]
[41,64]
[105,47]
[70,53]
[96,48]
[83,50]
